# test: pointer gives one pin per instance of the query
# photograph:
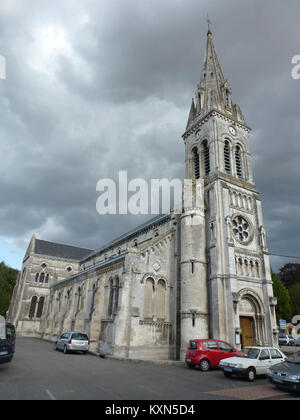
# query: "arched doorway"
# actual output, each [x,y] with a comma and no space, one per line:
[252,320]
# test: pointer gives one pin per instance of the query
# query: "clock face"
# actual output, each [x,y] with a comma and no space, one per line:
[232,130]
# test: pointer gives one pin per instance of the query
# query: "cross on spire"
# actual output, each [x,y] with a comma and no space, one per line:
[209,22]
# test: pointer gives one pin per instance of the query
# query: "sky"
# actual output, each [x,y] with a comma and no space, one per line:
[94,87]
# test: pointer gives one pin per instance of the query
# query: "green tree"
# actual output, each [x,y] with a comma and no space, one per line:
[284,307]
[290,274]
[8,277]
[294,292]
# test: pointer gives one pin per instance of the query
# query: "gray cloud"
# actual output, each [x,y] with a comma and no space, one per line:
[97,87]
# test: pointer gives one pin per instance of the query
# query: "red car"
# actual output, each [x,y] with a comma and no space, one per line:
[208,353]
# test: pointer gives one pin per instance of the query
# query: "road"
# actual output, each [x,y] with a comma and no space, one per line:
[40,373]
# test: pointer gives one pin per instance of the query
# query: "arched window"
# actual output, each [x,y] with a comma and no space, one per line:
[37,277]
[257,273]
[206,157]
[117,290]
[42,278]
[238,162]
[227,157]
[47,279]
[32,307]
[94,291]
[196,163]
[40,307]
[251,269]
[160,300]
[148,302]
[79,300]
[111,297]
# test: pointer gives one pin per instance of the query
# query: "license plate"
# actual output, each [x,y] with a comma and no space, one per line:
[3,353]
[188,360]
[278,381]
[227,369]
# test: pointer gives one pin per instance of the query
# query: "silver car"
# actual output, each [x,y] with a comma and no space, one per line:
[73,341]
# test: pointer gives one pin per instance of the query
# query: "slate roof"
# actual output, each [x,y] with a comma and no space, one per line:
[68,252]
[129,234]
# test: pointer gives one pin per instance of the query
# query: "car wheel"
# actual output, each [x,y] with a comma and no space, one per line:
[251,374]
[204,365]
[227,374]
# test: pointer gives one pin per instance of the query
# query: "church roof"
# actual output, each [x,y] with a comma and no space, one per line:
[150,223]
[52,249]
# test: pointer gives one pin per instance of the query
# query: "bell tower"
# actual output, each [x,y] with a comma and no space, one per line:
[237,279]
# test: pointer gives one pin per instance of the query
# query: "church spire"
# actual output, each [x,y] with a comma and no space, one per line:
[213,92]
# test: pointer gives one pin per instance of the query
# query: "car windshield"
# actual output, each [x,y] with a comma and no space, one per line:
[251,353]
[81,337]
[295,358]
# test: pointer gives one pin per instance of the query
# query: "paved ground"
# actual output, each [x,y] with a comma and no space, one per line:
[289,349]
[39,373]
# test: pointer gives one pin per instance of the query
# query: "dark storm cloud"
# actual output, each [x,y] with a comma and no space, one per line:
[94,87]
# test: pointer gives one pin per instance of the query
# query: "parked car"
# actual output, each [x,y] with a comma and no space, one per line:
[256,362]
[73,341]
[7,345]
[297,342]
[208,353]
[286,374]
[286,340]
[11,335]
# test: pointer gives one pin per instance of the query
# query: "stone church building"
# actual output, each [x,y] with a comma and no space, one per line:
[204,273]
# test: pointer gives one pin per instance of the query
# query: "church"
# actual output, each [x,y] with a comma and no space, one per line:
[204,273]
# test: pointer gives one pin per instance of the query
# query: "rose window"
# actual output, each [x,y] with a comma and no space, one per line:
[241,229]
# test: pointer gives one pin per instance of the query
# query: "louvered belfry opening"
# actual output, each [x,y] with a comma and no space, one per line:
[227,157]
[206,157]
[196,164]
[238,162]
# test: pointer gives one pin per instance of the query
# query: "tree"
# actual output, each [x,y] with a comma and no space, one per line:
[290,274]
[294,292]
[284,307]
[8,277]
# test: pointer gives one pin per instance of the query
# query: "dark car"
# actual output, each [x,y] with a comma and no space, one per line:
[11,335]
[7,345]
[208,353]
[287,374]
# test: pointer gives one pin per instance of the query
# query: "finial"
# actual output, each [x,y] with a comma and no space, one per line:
[208,23]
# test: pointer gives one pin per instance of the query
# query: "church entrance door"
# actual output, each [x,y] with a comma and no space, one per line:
[247,331]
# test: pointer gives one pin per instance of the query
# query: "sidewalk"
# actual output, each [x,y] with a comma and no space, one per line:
[156,362]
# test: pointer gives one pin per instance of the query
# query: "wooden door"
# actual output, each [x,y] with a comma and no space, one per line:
[247,331]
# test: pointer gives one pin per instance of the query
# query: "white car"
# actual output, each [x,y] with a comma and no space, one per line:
[256,362]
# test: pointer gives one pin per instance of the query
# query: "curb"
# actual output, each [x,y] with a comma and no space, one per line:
[126,359]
